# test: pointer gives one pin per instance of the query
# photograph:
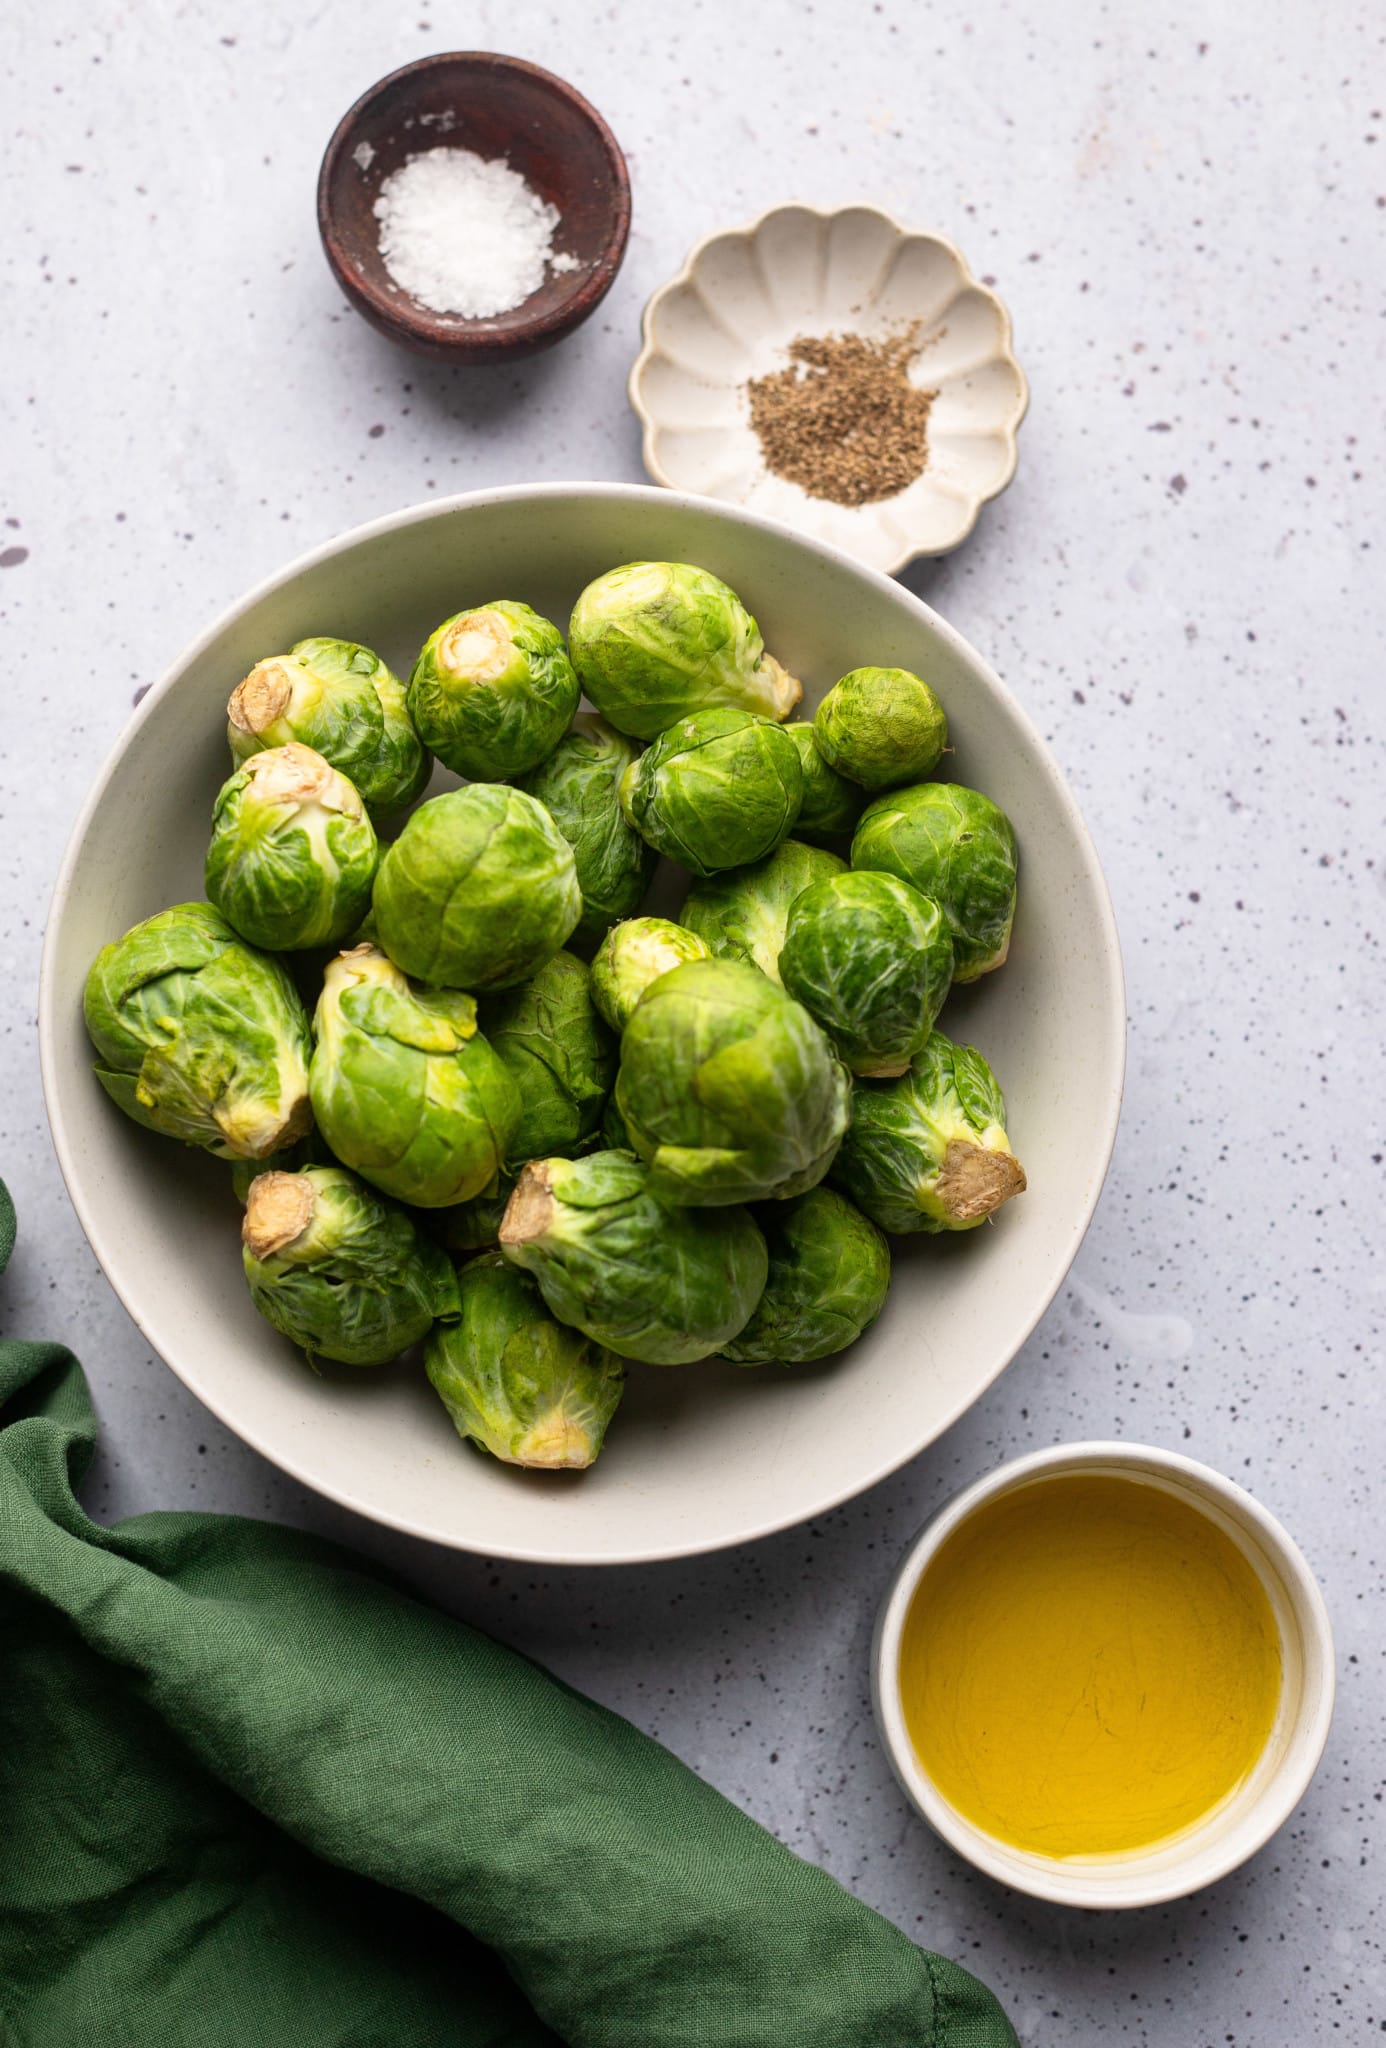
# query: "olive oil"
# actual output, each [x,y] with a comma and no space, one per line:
[1089,1666]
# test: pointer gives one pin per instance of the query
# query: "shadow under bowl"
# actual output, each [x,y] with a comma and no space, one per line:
[496,107]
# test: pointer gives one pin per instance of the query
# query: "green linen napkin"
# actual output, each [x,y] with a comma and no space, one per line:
[250,1793]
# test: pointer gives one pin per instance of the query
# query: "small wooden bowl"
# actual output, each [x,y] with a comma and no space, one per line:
[497,107]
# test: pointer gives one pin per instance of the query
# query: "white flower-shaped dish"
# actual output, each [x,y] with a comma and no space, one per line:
[745,294]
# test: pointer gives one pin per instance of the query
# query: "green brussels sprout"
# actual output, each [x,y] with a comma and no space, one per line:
[930,1151]
[343,702]
[718,789]
[293,854]
[578,786]
[632,956]
[199,1036]
[728,1088]
[527,1389]
[881,727]
[340,1271]
[663,1285]
[955,845]
[478,891]
[404,1087]
[560,1056]
[493,690]
[831,804]
[465,1228]
[872,960]
[654,641]
[743,913]
[829,1273]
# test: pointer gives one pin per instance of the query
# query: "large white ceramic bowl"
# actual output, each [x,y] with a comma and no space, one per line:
[699,1456]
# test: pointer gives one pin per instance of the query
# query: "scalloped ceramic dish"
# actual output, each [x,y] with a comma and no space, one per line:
[746,293]
[700,1456]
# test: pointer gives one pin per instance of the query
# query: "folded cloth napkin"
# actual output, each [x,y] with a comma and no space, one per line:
[253,1796]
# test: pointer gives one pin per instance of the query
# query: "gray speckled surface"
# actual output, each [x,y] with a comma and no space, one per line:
[1184,211]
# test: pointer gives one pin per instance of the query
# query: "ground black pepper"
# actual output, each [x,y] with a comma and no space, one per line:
[843,420]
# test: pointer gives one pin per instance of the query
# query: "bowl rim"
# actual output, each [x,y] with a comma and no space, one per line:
[755,1526]
[650,349]
[1117,1885]
[402,318]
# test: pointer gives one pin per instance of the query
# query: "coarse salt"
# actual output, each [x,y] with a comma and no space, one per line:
[462,234]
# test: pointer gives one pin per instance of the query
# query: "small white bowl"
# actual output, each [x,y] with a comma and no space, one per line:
[730,315]
[1273,1789]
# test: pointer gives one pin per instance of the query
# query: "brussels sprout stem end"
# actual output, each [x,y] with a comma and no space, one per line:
[260,699]
[278,1209]
[973,1182]
[528,1212]
[786,690]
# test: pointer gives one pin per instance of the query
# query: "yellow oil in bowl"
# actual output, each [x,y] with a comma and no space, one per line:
[1089,1666]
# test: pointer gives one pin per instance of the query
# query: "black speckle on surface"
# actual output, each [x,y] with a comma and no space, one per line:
[10,558]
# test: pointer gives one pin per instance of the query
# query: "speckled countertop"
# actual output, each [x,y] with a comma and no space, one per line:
[1184,210]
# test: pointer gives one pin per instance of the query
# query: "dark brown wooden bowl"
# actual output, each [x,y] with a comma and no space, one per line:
[496,106]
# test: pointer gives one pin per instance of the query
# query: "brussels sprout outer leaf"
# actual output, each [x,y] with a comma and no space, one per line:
[528,1389]
[743,913]
[881,727]
[728,1088]
[871,959]
[560,1055]
[829,1274]
[663,1285]
[578,785]
[493,690]
[478,891]
[654,641]
[929,1151]
[339,1270]
[717,790]
[831,804]
[632,957]
[199,1036]
[954,845]
[405,1089]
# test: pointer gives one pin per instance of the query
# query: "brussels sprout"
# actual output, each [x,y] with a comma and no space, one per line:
[654,641]
[478,891]
[560,1056]
[744,913]
[199,1036]
[578,786]
[293,854]
[343,1273]
[881,727]
[493,690]
[718,789]
[663,1285]
[831,804]
[930,1151]
[341,700]
[829,1273]
[872,960]
[955,845]
[405,1089]
[466,1228]
[522,1386]
[728,1087]
[632,956]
